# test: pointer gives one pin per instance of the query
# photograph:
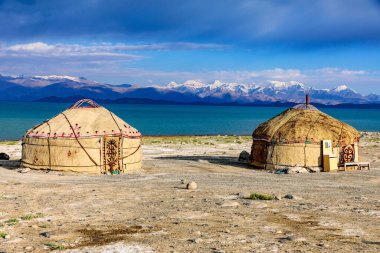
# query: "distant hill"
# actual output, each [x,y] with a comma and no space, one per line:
[58,88]
[166,102]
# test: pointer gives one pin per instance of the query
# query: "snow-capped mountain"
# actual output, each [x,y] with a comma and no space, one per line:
[41,81]
[272,91]
[191,91]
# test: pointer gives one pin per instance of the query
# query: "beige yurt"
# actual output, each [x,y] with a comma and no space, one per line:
[295,137]
[84,138]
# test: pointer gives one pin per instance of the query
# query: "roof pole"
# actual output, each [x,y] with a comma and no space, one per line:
[307,99]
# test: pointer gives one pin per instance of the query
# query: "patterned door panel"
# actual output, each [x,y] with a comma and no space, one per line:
[347,154]
[111,151]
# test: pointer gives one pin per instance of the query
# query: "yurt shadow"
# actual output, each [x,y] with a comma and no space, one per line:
[10,164]
[218,160]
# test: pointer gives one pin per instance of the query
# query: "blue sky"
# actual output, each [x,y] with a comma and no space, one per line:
[322,43]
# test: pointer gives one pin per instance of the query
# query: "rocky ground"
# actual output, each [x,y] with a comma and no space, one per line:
[154,212]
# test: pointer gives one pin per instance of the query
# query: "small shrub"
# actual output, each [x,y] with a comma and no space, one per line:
[3,235]
[11,222]
[43,225]
[32,216]
[27,217]
[54,246]
[259,196]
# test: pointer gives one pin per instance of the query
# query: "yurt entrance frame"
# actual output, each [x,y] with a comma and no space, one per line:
[112,156]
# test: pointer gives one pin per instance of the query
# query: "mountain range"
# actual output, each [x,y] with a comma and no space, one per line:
[50,88]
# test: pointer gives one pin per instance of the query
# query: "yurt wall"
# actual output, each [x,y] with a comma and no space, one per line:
[62,154]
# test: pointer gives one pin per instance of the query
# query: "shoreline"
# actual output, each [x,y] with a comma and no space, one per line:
[363,133]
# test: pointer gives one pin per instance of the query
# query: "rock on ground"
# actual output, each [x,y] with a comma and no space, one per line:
[192,186]
[4,156]
[244,156]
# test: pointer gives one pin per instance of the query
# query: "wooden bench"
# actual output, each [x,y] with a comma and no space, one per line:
[359,164]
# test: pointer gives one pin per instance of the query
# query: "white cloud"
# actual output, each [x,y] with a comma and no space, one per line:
[38,47]
[41,48]
[105,62]
[71,52]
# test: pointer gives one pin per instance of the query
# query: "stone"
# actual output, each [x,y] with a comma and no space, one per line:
[4,156]
[244,156]
[196,240]
[288,196]
[192,186]
[24,170]
[29,248]
[46,234]
[296,170]
[199,233]
[290,238]
[7,236]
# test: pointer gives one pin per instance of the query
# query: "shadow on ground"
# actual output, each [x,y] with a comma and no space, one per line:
[10,164]
[219,160]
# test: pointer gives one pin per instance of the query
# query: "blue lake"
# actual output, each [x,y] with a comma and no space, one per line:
[17,117]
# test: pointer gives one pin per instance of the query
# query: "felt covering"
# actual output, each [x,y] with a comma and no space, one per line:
[78,139]
[293,138]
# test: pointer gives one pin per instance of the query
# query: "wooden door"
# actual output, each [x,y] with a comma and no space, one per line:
[112,156]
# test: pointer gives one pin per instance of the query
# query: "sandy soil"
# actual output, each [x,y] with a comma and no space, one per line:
[153,212]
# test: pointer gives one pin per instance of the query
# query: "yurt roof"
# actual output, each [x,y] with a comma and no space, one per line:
[85,118]
[297,125]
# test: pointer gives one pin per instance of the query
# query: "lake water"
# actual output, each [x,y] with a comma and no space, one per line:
[17,117]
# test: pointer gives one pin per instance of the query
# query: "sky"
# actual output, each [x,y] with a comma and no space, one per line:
[321,43]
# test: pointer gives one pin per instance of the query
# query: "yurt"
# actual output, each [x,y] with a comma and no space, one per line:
[296,136]
[85,137]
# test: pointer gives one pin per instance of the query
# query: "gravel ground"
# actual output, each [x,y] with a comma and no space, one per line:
[152,211]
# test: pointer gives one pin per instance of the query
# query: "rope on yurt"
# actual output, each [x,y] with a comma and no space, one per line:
[272,144]
[121,131]
[48,141]
[132,152]
[30,130]
[76,137]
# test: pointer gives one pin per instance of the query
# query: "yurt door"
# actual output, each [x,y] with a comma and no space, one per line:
[111,151]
